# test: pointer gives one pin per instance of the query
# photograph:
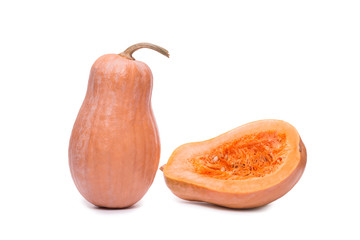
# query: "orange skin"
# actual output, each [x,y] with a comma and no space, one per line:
[188,185]
[114,147]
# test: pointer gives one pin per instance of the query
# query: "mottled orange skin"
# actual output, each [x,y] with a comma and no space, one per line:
[114,147]
[188,185]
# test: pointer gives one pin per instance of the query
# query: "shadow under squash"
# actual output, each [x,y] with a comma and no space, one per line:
[111,210]
[213,206]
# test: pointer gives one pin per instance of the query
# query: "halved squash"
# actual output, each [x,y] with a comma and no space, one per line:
[249,166]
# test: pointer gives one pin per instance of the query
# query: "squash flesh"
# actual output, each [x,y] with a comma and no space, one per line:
[236,192]
[252,155]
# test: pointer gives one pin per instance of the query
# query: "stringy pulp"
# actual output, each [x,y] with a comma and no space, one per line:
[250,156]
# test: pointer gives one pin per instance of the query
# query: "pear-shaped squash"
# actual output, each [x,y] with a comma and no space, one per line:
[249,166]
[114,147]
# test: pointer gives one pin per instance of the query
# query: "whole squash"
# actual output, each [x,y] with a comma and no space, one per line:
[114,147]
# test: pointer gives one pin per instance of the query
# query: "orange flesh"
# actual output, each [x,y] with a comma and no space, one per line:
[253,155]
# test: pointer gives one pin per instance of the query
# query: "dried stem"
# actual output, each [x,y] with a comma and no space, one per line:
[130,50]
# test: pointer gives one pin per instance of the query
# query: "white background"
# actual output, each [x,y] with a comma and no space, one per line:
[231,62]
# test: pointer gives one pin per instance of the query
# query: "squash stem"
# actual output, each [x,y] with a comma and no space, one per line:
[130,50]
[162,167]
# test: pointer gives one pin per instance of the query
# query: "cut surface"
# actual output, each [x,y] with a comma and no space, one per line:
[246,167]
[250,156]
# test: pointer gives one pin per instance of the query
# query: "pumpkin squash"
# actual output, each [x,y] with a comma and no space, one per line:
[247,167]
[114,147]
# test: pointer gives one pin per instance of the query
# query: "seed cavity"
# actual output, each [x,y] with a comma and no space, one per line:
[253,155]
